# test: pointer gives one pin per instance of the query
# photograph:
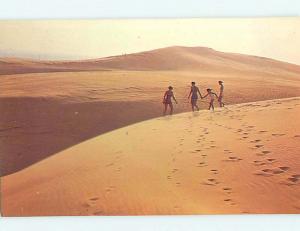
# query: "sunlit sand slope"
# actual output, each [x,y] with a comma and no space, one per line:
[241,159]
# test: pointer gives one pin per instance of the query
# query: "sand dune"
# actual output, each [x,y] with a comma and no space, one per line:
[241,159]
[40,112]
[164,59]
[44,113]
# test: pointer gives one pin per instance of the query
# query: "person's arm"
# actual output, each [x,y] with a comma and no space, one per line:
[199,92]
[174,98]
[190,93]
[164,98]
[205,96]
[216,95]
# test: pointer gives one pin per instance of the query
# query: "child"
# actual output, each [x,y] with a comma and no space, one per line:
[220,99]
[167,100]
[194,93]
[212,97]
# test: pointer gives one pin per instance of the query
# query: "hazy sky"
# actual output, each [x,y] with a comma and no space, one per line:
[81,39]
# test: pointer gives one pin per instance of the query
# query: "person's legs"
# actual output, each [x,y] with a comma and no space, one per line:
[212,105]
[165,109]
[192,103]
[220,101]
[197,107]
[171,108]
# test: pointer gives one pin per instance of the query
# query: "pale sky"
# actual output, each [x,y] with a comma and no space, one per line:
[277,38]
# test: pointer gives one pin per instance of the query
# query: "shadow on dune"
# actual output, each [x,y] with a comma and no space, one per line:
[32,129]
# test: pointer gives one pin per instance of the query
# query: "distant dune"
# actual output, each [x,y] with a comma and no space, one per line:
[170,58]
[240,159]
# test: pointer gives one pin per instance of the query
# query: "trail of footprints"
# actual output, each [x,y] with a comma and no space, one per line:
[202,144]
[264,157]
[92,205]
[269,161]
[227,191]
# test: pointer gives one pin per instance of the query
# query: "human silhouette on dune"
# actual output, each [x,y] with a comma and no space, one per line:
[167,100]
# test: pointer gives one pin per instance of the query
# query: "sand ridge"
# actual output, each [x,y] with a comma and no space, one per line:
[239,159]
[163,59]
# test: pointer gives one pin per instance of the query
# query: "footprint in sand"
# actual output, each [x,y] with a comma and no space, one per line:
[214,171]
[177,184]
[227,190]
[230,201]
[210,182]
[284,168]
[262,173]
[271,172]
[258,145]
[292,180]
[97,213]
[233,159]
[255,141]
[91,202]
[263,153]
[202,164]
[110,188]
[259,163]
[278,134]
[262,131]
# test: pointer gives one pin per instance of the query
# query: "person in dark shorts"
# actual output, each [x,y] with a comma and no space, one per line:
[212,96]
[194,96]
[167,100]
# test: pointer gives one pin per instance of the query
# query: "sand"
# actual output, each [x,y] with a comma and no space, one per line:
[239,159]
[44,113]
[52,111]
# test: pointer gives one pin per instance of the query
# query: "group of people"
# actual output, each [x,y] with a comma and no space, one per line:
[193,96]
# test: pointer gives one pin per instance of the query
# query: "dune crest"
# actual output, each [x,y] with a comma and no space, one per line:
[163,59]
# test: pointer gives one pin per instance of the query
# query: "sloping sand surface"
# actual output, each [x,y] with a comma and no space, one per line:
[44,113]
[240,159]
